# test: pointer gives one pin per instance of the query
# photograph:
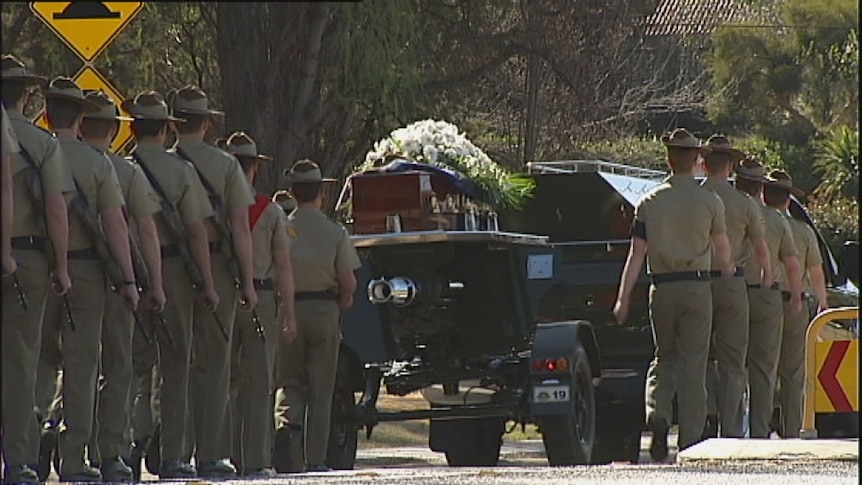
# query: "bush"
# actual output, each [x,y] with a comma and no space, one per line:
[837,220]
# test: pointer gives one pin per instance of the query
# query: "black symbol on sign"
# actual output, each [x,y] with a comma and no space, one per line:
[86,10]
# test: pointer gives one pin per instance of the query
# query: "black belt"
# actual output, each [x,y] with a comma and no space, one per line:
[315,295]
[89,253]
[28,242]
[785,295]
[266,284]
[171,251]
[740,271]
[758,285]
[660,278]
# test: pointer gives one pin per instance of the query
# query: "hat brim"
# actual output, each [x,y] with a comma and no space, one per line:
[262,158]
[27,80]
[793,190]
[300,182]
[115,118]
[88,106]
[733,152]
[753,178]
[209,112]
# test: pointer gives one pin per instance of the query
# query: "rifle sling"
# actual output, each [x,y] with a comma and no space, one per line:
[207,185]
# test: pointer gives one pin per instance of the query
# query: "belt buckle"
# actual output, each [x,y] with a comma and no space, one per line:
[698,273]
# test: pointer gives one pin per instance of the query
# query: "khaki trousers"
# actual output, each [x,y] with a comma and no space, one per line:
[21,340]
[145,381]
[81,352]
[253,384]
[210,371]
[174,359]
[113,399]
[764,342]
[681,317]
[307,369]
[730,330]
[791,370]
[49,403]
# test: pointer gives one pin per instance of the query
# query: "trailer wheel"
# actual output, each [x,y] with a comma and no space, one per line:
[569,438]
[343,433]
[479,442]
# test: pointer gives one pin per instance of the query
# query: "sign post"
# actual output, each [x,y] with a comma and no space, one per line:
[87,28]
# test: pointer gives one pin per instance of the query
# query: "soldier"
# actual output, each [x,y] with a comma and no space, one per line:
[764,303]
[39,228]
[97,183]
[323,264]
[791,362]
[10,146]
[253,357]
[675,227]
[181,228]
[744,223]
[98,130]
[231,195]
[285,200]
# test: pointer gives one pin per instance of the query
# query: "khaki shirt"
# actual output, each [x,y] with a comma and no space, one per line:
[10,139]
[743,219]
[268,236]
[96,179]
[181,185]
[45,150]
[806,244]
[680,218]
[779,240]
[223,172]
[321,250]
[141,199]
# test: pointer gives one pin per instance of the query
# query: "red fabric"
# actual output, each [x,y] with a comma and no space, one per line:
[255,211]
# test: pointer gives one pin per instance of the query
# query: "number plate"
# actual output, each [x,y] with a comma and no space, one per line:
[542,394]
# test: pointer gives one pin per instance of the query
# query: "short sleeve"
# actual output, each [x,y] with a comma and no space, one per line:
[56,174]
[786,247]
[719,224]
[110,195]
[194,205]
[142,200]
[346,258]
[754,225]
[279,232]
[237,189]
[10,139]
[812,257]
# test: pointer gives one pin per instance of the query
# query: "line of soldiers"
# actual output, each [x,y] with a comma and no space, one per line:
[731,271]
[148,301]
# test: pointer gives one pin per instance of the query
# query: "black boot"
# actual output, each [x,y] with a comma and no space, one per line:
[710,427]
[47,450]
[135,458]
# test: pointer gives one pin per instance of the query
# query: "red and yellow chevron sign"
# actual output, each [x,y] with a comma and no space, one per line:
[837,387]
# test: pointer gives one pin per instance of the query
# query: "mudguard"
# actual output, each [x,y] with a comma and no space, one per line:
[553,341]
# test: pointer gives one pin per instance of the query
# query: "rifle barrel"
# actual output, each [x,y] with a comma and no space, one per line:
[69,319]
[161,317]
[22,299]
[258,327]
[140,324]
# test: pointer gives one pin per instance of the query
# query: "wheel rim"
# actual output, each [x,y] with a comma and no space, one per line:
[581,406]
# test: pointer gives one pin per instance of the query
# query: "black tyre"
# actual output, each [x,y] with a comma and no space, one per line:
[343,433]
[569,438]
[478,444]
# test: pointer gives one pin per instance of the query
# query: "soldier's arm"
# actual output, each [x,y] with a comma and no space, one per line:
[722,252]
[199,246]
[631,272]
[286,288]
[8,213]
[150,249]
[794,280]
[57,220]
[242,244]
[117,236]
[818,284]
[761,253]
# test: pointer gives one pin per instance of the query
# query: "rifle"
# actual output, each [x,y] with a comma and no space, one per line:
[21,298]
[36,188]
[176,228]
[226,236]
[142,276]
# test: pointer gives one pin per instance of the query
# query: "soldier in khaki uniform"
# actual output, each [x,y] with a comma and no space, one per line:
[744,222]
[210,379]
[253,356]
[765,309]
[791,362]
[22,327]
[323,264]
[285,200]
[112,437]
[97,183]
[178,181]
[676,226]
[10,146]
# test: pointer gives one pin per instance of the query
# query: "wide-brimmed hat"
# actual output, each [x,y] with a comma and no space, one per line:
[192,100]
[720,144]
[62,87]
[107,108]
[682,138]
[751,169]
[285,200]
[148,105]
[242,146]
[306,172]
[782,180]
[13,70]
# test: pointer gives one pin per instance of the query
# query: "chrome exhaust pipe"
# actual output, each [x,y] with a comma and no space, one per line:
[400,291]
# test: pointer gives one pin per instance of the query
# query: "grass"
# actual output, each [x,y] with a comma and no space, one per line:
[415,433]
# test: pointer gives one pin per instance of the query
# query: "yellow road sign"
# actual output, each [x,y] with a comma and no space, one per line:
[837,389]
[89,78]
[86,27]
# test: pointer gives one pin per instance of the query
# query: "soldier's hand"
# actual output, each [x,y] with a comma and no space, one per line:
[289,329]
[131,297]
[156,299]
[210,298]
[796,303]
[9,265]
[249,298]
[621,311]
[60,282]
[345,301]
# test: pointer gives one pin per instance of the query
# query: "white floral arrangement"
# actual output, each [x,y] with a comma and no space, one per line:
[441,144]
